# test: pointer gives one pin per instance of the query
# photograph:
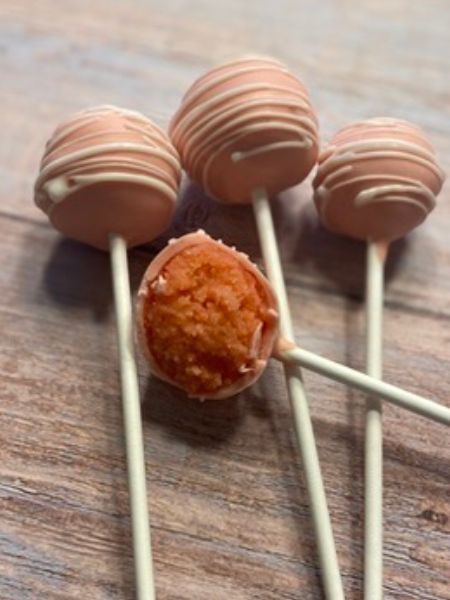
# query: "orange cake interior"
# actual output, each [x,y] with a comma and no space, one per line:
[203,319]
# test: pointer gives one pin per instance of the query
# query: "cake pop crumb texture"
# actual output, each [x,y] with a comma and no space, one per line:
[108,170]
[207,321]
[246,124]
[377,179]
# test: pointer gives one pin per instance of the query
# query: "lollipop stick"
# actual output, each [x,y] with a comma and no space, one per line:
[360,381]
[145,589]
[373,492]
[321,519]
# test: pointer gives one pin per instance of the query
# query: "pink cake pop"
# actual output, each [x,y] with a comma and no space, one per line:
[246,131]
[246,124]
[206,317]
[377,179]
[109,177]
[207,322]
[108,169]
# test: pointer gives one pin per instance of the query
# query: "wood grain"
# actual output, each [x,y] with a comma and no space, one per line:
[229,510]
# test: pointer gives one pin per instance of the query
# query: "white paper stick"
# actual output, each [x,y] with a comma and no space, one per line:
[145,589]
[361,381]
[321,518]
[373,472]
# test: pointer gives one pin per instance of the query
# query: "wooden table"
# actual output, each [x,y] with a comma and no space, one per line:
[229,511]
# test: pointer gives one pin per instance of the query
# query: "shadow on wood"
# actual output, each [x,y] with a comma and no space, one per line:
[339,259]
[210,423]
[233,224]
[79,276]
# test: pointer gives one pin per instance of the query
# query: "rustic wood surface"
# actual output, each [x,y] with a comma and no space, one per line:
[228,505]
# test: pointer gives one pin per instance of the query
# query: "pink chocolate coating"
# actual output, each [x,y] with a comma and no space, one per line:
[243,125]
[108,170]
[258,356]
[377,179]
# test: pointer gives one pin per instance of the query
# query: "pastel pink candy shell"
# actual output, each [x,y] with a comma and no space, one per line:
[136,213]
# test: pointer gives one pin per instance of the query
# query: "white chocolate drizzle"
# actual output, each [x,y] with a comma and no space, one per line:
[216,115]
[338,162]
[130,149]
[393,193]
[243,134]
[256,342]
[159,285]
[237,156]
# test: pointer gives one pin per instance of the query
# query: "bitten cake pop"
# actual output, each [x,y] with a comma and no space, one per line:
[206,317]
[207,323]
[109,178]
[243,125]
[108,169]
[245,131]
[377,180]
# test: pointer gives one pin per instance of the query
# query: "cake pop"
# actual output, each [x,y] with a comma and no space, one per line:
[244,125]
[109,178]
[245,131]
[206,317]
[207,322]
[108,169]
[377,180]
